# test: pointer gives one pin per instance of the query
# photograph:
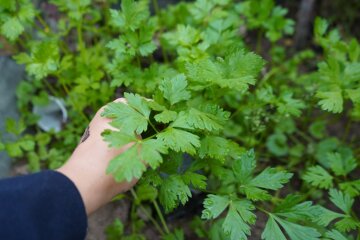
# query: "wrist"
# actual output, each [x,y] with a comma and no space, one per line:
[93,190]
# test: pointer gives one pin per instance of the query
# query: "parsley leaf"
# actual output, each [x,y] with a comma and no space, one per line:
[129,117]
[174,89]
[172,191]
[318,177]
[131,16]
[179,140]
[132,163]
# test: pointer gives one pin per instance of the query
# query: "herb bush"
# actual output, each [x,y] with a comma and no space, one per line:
[249,136]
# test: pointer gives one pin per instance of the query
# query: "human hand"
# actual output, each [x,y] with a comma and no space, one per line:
[87,165]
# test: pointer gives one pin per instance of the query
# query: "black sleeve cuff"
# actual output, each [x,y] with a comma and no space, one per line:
[45,205]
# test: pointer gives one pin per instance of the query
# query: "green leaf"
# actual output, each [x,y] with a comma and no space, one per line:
[197,181]
[352,188]
[324,216]
[317,129]
[214,205]
[341,165]
[118,139]
[277,144]
[174,89]
[347,224]
[130,117]
[12,28]
[177,235]
[185,36]
[237,71]
[151,152]
[271,179]
[131,16]
[335,235]
[341,200]
[320,27]
[146,192]
[115,230]
[272,230]
[214,147]
[132,163]
[179,140]
[332,101]
[236,222]
[318,177]
[298,232]
[173,191]
[203,120]
[166,116]
[43,60]
[244,166]
[127,165]
[290,106]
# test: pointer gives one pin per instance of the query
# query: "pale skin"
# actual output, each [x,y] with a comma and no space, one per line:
[86,167]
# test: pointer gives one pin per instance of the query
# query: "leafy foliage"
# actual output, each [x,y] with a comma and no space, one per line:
[200,94]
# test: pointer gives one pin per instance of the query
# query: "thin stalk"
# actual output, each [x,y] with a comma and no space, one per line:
[44,24]
[158,13]
[51,89]
[152,125]
[304,136]
[259,41]
[80,36]
[156,7]
[73,103]
[157,226]
[162,220]
[347,130]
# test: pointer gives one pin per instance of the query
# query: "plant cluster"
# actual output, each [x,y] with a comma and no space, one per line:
[254,137]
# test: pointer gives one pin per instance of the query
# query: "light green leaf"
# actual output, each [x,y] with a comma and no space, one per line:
[341,200]
[318,177]
[166,116]
[235,225]
[271,178]
[244,166]
[272,230]
[132,163]
[214,205]
[174,89]
[324,216]
[298,232]
[352,188]
[335,235]
[173,191]
[341,165]
[129,118]
[118,139]
[214,147]
[347,224]
[131,16]
[12,28]
[179,140]
[332,101]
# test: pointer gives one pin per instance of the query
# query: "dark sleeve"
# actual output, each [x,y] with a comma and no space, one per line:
[45,205]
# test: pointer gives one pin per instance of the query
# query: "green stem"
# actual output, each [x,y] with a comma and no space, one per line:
[304,136]
[156,7]
[347,130]
[51,89]
[44,24]
[152,125]
[157,226]
[80,36]
[162,220]
[259,41]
